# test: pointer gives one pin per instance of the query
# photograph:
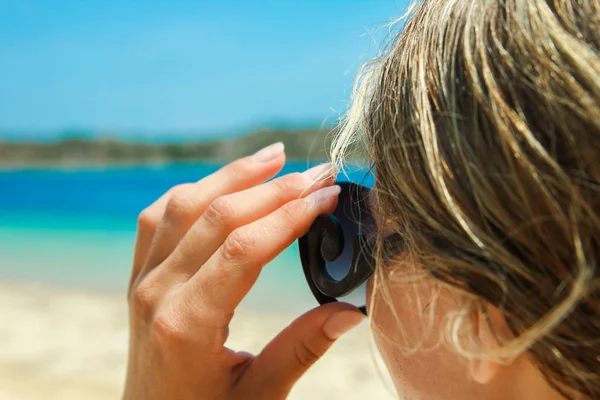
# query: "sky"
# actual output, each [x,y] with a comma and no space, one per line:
[187,65]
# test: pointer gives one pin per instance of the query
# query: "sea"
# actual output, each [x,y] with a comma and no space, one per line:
[74,229]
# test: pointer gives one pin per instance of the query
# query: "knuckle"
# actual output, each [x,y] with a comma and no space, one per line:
[179,190]
[304,354]
[180,204]
[238,245]
[148,220]
[220,213]
[169,329]
[143,301]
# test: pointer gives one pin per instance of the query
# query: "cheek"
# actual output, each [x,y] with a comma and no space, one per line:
[409,336]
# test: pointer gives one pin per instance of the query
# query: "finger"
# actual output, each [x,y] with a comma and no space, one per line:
[287,357]
[235,210]
[147,223]
[230,273]
[185,206]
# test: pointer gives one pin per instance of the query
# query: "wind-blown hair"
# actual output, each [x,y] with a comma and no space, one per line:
[482,123]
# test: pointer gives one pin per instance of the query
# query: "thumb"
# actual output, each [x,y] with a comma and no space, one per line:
[287,357]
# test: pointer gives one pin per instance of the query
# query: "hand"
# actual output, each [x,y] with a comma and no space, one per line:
[199,250]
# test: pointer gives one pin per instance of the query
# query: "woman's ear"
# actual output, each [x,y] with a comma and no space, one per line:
[485,323]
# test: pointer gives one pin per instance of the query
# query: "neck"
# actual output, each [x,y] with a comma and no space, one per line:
[530,384]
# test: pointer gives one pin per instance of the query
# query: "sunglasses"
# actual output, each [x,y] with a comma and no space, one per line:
[337,253]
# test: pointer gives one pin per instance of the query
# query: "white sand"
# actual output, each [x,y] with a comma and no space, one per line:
[66,345]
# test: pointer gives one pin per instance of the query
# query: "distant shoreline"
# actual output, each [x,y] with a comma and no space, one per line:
[118,165]
[301,145]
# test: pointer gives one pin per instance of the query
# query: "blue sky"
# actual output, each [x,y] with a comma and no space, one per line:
[201,65]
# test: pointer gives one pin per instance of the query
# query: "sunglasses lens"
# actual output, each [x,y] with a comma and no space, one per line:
[353,216]
[334,263]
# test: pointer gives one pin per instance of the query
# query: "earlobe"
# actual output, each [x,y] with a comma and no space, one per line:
[483,371]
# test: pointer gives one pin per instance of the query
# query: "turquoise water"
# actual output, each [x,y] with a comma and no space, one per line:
[76,229]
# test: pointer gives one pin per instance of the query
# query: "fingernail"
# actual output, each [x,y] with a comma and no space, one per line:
[269,153]
[322,195]
[320,172]
[341,323]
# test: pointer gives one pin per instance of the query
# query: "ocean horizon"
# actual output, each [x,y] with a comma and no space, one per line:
[74,228]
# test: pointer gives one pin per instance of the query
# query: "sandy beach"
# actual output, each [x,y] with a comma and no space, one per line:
[59,344]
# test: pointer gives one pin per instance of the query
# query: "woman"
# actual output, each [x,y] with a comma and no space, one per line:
[482,122]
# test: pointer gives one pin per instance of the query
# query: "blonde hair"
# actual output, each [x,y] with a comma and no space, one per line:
[482,123]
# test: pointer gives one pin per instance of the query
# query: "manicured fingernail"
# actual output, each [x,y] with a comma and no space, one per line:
[341,323]
[323,195]
[269,153]
[320,172]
